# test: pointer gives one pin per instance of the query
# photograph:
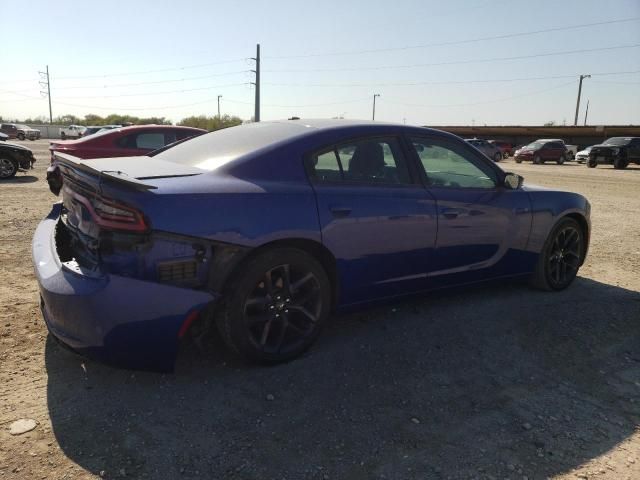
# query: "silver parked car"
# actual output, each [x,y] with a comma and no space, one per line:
[489,149]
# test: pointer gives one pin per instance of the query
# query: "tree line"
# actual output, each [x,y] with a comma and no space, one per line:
[201,121]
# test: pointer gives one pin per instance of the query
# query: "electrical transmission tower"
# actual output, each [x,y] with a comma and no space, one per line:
[46,83]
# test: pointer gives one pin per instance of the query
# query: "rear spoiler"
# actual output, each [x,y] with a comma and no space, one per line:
[117,176]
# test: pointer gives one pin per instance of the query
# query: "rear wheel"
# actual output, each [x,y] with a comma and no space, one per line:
[275,306]
[21,136]
[63,135]
[561,256]
[497,157]
[620,163]
[8,168]
[518,160]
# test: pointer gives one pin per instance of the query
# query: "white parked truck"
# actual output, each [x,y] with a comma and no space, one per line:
[72,131]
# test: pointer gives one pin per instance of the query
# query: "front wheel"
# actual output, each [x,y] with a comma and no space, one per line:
[537,160]
[63,136]
[497,157]
[561,160]
[592,163]
[560,257]
[21,136]
[8,168]
[275,306]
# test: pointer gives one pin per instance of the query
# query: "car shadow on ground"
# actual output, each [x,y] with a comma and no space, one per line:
[20,179]
[490,381]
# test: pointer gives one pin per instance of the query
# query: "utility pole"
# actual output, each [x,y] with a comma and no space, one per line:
[219,97]
[374,105]
[256,115]
[586,113]
[45,82]
[582,77]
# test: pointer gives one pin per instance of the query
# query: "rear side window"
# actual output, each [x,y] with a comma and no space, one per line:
[373,161]
[145,140]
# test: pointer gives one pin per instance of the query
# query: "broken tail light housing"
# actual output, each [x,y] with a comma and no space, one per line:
[110,214]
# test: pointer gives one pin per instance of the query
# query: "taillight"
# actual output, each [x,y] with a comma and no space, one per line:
[110,214]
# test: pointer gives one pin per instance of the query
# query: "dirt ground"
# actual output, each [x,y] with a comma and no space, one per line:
[497,382]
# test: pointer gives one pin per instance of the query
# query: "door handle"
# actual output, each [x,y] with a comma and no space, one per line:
[339,211]
[451,213]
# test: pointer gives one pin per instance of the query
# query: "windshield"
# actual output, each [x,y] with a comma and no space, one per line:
[618,141]
[535,145]
[212,150]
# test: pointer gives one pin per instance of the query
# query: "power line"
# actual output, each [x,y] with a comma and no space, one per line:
[455,62]
[440,82]
[159,93]
[141,72]
[458,42]
[528,94]
[155,82]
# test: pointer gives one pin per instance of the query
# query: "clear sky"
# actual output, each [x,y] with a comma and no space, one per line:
[173,58]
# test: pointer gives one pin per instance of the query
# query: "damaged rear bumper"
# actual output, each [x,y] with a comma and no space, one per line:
[111,318]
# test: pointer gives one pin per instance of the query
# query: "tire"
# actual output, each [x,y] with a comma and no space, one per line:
[537,160]
[63,136]
[592,163]
[497,157]
[8,167]
[518,160]
[620,163]
[561,257]
[271,325]
[561,160]
[21,136]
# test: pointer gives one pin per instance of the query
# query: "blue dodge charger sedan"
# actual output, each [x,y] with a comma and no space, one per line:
[264,229]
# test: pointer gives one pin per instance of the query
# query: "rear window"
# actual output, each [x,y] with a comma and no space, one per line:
[212,150]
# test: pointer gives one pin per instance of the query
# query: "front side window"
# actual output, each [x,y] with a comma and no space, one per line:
[372,161]
[449,165]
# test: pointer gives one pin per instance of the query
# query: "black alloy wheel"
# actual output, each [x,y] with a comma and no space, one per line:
[276,306]
[8,168]
[283,309]
[561,256]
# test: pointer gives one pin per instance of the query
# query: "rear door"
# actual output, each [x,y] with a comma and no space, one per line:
[481,224]
[375,217]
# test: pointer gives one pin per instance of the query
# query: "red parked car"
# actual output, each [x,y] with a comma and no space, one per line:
[541,151]
[124,142]
[505,147]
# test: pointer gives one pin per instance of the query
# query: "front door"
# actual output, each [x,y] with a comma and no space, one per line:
[375,217]
[481,224]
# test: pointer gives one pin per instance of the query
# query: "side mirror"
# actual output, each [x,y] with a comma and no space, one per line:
[513,181]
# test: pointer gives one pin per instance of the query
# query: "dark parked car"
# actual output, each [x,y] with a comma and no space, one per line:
[619,151]
[505,147]
[542,151]
[125,141]
[10,129]
[263,229]
[14,158]
[489,149]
